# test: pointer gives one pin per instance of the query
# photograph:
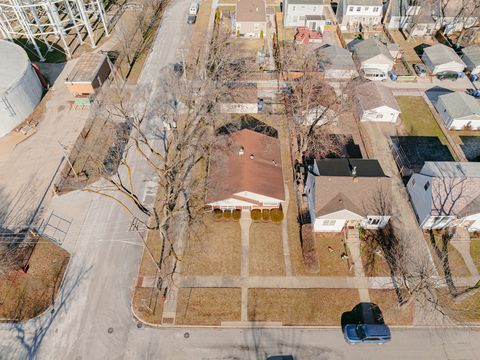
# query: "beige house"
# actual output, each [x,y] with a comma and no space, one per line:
[250,18]
[245,172]
[89,74]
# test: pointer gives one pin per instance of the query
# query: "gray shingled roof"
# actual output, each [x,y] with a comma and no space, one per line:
[459,104]
[372,95]
[472,53]
[441,54]
[335,57]
[370,48]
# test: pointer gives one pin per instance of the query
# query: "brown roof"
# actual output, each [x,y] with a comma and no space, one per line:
[231,173]
[360,195]
[250,10]
[87,67]
[372,95]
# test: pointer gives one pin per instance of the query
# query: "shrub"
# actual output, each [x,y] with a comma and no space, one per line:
[266,214]
[261,35]
[256,214]
[277,215]
[236,214]
[217,214]
[227,214]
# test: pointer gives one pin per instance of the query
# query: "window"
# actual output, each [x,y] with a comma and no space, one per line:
[413,181]
[427,185]
[374,221]
[366,8]
[350,8]
[314,8]
[359,8]
[293,8]
[328,222]
[375,9]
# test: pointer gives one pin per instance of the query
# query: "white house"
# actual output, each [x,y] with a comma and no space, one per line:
[356,13]
[374,58]
[245,172]
[347,191]
[458,111]
[471,58]
[251,18]
[439,58]
[336,63]
[375,102]
[314,14]
[446,194]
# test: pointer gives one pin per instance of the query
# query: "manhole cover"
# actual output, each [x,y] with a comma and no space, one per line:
[110,330]
[186,335]
[139,325]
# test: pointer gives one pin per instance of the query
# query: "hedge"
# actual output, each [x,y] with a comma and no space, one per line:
[256,214]
[266,214]
[227,214]
[277,215]
[236,214]
[217,214]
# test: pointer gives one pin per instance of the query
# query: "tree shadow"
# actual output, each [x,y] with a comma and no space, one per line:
[30,334]
[363,313]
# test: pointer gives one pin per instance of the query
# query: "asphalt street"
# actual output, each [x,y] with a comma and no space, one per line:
[92,320]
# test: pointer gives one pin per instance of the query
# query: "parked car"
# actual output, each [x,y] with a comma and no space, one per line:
[191,19]
[193,8]
[474,92]
[281,357]
[367,333]
[420,69]
[178,68]
[451,75]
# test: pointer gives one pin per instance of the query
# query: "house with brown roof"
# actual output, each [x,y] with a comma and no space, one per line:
[375,102]
[446,194]
[245,172]
[347,192]
[250,18]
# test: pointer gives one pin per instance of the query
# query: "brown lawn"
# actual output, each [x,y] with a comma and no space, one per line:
[393,314]
[373,259]
[455,259]
[208,306]
[148,305]
[214,248]
[301,306]
[331,263]
[24,296]
[266,249]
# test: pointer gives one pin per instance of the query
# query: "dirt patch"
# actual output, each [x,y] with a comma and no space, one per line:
[393,313]
[330,247]
[26,295]
[300,306]
[214,248]
[208,306]
[266,249]
[148,304]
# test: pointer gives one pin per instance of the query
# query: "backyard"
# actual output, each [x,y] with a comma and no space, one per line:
[24,295]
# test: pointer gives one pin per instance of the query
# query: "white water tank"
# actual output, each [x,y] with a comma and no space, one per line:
[20,88]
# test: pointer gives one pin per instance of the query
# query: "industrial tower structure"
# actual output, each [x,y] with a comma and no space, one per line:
[50,21]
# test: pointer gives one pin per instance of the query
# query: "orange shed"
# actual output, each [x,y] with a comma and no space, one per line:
[90,72]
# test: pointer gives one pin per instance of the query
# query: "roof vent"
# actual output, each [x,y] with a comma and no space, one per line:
[252,156]
[241,151]
[274,163]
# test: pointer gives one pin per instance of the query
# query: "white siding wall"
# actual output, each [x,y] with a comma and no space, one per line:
[238,108]
[474,69]
[328,225]
[295,14]
[421,199]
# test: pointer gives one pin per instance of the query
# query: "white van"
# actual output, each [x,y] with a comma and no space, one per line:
[193,8]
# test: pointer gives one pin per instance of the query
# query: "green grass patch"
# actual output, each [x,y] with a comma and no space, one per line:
[57,55]
[417,118]
[475,252]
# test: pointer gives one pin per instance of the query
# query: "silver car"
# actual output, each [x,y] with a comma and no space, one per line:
[420,69]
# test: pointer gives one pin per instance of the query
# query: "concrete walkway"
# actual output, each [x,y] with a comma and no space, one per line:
[245,223]
[352,240]
[286,247]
